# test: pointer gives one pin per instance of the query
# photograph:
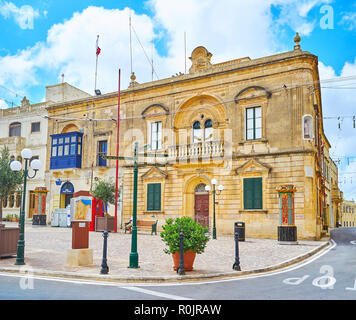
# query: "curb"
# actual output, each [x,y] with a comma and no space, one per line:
[185,278]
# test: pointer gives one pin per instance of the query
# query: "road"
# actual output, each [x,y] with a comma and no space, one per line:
[330,275]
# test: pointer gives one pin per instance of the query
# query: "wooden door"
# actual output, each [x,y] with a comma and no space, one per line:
[201,209]
[32,205]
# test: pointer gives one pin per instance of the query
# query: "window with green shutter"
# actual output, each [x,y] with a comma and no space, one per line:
[153,197]
[253,193]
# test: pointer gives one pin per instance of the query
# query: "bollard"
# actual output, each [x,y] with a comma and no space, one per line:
[236,265]
[104,266]
[180,269]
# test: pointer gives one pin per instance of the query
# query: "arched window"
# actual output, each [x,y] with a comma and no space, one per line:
[208,130]
[15,129]
[197,136]
[200,135]
[308,127]
[200,188]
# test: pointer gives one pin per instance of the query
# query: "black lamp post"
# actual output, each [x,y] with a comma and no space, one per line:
[17,166]
[214,192]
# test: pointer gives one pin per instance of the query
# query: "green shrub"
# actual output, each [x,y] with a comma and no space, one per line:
[195,237]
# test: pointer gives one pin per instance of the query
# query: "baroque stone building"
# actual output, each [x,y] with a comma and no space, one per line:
[250,124]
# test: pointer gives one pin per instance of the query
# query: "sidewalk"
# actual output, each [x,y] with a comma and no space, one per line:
[46,249]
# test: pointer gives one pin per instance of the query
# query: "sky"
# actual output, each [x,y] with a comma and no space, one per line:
[41,40]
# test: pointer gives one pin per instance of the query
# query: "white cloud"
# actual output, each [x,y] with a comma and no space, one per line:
[228,29]
[70,49]
[24,16]
[295,14]
[3,104]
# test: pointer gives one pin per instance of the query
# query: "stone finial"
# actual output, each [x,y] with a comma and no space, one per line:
[25,102]
[133,82]
[297,41]
[200,59]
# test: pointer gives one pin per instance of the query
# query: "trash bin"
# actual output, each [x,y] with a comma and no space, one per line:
[240,227]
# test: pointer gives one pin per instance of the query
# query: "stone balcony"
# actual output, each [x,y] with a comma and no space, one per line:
[196,151]
[336,194]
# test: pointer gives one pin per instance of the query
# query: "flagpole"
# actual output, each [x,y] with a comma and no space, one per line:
[117,155]
[96,64]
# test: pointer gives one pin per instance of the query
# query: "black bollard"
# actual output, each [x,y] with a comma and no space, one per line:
[180,269]
[236,265]
[104,266]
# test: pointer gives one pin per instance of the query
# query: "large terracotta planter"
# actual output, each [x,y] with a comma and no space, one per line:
[188,257]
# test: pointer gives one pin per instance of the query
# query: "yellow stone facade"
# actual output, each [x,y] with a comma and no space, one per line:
[287,146]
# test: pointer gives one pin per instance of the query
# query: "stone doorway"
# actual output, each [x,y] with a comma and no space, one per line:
[201,205]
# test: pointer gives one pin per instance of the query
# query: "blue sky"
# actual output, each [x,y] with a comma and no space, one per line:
[40,40]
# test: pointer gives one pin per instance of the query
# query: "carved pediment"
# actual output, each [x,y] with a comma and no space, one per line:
[154,173]
[252,93]
[253,166]
[154,109]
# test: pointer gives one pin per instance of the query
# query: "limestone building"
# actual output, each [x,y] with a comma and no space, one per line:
[348,217]
[250,124]
[26,126]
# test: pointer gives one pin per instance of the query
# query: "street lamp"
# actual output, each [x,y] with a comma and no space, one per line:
[17,166]
[214,192]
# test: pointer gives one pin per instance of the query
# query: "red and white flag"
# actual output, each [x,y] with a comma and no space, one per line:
[97,46]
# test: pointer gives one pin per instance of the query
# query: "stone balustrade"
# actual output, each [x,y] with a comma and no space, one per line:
[201,150]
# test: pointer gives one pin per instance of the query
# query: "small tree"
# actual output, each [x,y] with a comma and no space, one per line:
[105,191]
[9,180]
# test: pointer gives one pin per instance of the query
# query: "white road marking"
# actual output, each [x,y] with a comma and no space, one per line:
[295,281]
[126,285]
[101,283]
[353,289]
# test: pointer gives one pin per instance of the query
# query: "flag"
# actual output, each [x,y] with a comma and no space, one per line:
[97,46]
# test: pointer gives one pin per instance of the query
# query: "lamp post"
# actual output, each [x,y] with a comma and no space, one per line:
[17,166]
[133,253]
[214,192]
[133,259]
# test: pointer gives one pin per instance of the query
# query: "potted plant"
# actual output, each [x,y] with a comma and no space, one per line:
[195,240]
[105,191]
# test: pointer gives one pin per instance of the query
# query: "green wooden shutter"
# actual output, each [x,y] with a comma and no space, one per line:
[252,193]
[257,193]
[153,196]
[248,194]
[150,194]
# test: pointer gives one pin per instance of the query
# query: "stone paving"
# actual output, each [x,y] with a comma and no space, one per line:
[46,249]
